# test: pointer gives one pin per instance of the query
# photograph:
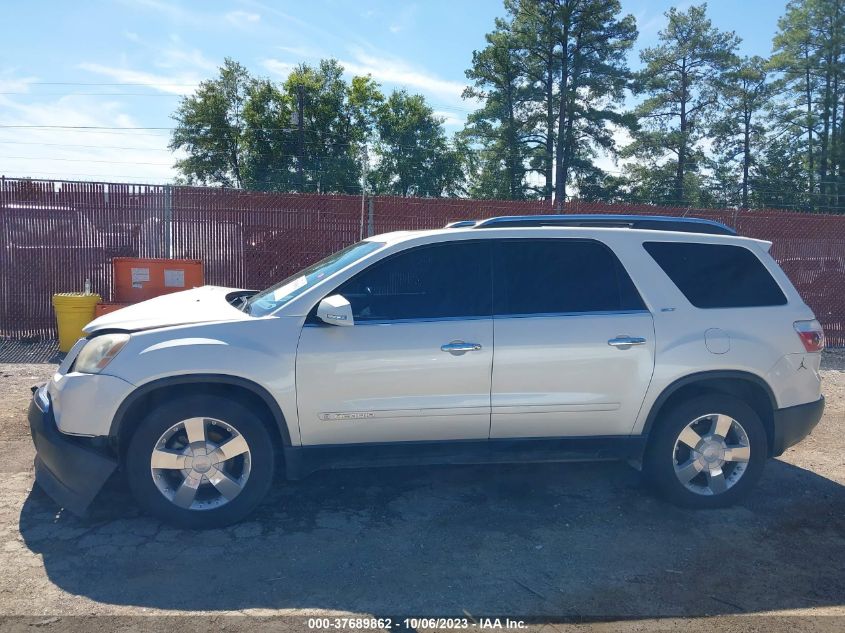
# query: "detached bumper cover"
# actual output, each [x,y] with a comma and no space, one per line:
[67,470]
[793,424]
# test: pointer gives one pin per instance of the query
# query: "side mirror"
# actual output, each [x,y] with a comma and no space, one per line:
[335,310]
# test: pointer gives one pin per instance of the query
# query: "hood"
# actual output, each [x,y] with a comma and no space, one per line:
[198,305]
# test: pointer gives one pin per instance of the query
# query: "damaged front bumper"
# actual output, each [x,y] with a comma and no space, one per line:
[67,469]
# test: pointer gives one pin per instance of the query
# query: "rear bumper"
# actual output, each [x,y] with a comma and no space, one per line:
[793,424]
[66,469]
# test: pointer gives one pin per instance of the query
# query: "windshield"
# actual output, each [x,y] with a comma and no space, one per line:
[278,295]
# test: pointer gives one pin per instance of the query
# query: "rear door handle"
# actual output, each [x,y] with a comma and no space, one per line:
[460,347]
[626,341]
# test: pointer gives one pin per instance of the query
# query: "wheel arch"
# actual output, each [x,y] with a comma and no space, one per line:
[752,389]
[151,393]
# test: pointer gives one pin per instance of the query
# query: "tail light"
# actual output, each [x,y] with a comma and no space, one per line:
[811,335]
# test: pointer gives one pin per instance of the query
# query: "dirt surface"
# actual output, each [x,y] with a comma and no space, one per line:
[549,542]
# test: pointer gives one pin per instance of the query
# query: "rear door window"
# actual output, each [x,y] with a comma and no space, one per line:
[717,275]
[552,276]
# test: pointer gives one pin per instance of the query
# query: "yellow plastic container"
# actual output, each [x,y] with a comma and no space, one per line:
[74,310]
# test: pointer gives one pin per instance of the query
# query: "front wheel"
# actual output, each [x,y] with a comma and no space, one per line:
[200,462]
[707,452]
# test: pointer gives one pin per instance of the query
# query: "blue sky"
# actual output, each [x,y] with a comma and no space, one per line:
[125,63]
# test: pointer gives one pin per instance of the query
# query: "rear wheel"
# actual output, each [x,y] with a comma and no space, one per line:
[707,452]
[200,462]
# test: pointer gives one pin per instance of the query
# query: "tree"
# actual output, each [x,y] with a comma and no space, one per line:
[240,131]
[336,117]
[809,54]
[269,142]
[681,84]
[414,156]
[500,124]
[210,127]
[593,46]
[779,175]
[740,130]
[550,75]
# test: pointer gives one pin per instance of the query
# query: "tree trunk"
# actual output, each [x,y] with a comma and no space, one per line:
[682,148]
[746,156]
[560,168]
[549,149]
[809,95]
[825,138]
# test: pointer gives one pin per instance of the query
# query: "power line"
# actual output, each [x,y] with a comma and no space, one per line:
[150,149]
[93,94]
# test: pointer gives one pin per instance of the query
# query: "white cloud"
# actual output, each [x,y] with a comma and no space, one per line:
[242,19]
[182,67]
[450,119]
[83,154]
[301,51]
[179,83]
[9,83]
[277,67]
[397,71]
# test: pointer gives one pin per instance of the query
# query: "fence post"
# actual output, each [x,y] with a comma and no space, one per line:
[168,222]
[370,222]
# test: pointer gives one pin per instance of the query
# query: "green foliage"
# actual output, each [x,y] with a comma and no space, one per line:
[211,128]
[680,82]
[549,78]
[809,55]
[239,131]
[550,83]
[414,156]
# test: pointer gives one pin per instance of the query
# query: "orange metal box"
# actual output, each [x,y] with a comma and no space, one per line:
[141,279]
[104,308]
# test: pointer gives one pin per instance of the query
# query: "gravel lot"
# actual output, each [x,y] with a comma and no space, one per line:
[556,542]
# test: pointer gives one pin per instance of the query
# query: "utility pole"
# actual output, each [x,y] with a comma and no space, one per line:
[300,111]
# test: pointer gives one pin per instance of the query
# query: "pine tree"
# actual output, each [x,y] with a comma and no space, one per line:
[680,82]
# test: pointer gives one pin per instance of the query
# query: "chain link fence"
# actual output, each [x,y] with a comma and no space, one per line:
[56,234]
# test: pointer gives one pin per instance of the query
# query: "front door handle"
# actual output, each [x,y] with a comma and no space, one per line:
[624,342]
[460,347]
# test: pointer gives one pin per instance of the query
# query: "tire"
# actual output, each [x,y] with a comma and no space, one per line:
[669,458]
[162,439]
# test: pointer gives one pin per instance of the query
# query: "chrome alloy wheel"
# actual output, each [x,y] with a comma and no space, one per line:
[711,454]
[200,463]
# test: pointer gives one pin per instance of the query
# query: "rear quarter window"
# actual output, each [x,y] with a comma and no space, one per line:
[717,275]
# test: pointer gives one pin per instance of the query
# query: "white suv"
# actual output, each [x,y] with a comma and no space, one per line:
[671,343]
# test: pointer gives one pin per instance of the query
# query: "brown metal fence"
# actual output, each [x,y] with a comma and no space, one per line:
[56,234]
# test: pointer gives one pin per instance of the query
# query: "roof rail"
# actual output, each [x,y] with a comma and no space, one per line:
[647,222]
[460,224]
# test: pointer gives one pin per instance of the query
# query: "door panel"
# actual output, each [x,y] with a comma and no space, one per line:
[565,310]
[386,378]
[558,376]
[392,382]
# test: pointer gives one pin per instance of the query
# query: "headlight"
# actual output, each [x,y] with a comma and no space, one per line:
[98,352]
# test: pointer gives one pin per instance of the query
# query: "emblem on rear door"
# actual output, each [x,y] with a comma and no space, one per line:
[355,415]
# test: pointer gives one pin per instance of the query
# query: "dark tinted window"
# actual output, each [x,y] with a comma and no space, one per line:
[717,275]
[445,280]
[542,276]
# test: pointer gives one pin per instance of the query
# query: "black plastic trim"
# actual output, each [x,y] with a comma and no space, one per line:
[202,379]
[793,424]
[303,460]
[70,472]
[700,377]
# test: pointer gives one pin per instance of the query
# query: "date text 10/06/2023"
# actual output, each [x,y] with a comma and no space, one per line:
[363,624]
